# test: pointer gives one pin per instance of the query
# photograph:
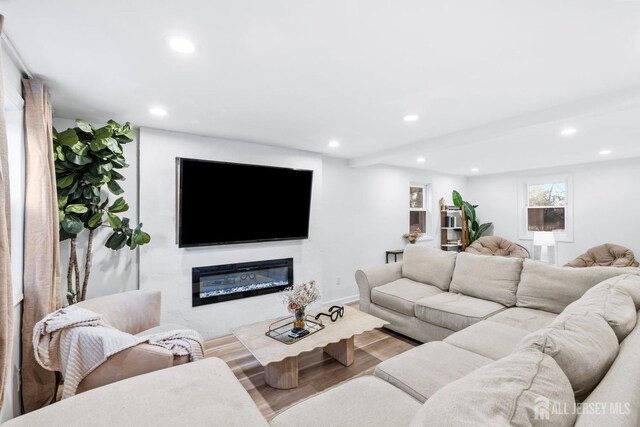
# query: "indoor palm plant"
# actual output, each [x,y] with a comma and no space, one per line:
[87,160]
[475,228]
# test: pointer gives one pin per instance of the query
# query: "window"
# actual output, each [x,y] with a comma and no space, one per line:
[419,213]
[545,205]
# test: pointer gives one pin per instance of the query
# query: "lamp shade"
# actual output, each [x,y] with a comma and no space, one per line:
[544,238]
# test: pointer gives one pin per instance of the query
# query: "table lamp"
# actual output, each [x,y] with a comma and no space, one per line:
[544,243]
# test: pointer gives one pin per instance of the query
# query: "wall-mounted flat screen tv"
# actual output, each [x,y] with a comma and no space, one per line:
[222,203]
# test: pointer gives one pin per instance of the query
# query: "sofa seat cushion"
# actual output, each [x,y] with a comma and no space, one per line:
[196,394]
[550,288]
[493,278]
[401,295]
[428,265]
[423,370]
[583,345]
[489,339]
[365,401]
[455,311]
[507,392]
[524,318]
[611,302]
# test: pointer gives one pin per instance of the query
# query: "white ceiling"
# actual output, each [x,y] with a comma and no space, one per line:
[493,81]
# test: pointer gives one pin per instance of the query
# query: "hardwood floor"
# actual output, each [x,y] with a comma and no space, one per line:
[317,370]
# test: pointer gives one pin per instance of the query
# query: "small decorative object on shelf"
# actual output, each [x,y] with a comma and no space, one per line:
[413,236]
[297,298]
[443,205]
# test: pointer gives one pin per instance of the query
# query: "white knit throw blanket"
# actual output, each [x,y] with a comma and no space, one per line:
[75,341]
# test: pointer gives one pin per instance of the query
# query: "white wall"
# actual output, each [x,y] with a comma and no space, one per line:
[112,271]
[366,213]
[606,205]
[165,267]
[13,109]
[356,215]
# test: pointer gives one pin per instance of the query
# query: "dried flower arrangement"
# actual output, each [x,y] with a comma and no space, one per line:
[299,296]
[413,236]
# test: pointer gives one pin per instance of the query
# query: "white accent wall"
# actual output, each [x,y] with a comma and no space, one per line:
[606,205]
[356,214]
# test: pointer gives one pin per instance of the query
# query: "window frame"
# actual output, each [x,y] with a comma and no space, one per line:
[427,207]
[523,204]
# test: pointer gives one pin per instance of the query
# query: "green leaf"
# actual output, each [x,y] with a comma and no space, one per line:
[139,237]
[95,220]
[68,138]
[113,124]
[457,199]
[114,220]
[119,206]
[470,211]
[113,145]
[119,163]
[62,201]
[76,208]
[98,144]
[84,126]
[60,215]
[103,132]
[104,204]
[64,235]
[79,160]
[474,226]
[483,228]
[116,241]
[117,175]
[72,224]
[64,182]
[114,187]
[67,190]
[60,154]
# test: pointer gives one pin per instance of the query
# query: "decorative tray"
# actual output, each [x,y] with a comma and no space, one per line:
[279,330]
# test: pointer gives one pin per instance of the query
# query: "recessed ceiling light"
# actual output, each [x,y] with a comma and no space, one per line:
[182,45]
[411,118]
[605,152]
[474,169]
[158,111]
[421,160]
[568,131]
[334,144]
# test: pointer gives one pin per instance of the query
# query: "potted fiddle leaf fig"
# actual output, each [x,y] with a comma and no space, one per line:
[87,161]
[475,228]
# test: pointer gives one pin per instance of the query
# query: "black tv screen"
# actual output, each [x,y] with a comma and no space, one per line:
[222,203]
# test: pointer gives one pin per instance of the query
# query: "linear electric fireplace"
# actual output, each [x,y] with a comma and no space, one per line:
[218,283]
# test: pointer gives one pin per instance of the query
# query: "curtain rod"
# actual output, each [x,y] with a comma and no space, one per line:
[13,52]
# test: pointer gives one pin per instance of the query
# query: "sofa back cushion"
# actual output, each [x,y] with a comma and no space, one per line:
[617,394]
[493,278]
[610,301]
[550,288]
[504,393]
[428,265]
[583,345]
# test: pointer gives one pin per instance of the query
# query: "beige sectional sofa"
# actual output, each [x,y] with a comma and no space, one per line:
[510,343]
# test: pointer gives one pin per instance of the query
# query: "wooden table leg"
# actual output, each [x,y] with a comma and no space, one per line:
[282,375]
[342,351]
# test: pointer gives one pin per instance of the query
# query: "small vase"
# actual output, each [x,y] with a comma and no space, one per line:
[299,316]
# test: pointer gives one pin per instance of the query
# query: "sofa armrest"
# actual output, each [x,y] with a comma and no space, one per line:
[372,277]
[141,359]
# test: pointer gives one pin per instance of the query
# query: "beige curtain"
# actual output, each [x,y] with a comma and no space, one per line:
[6,294]
[41,240]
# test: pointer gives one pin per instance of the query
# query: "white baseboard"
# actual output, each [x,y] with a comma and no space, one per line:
[342,301]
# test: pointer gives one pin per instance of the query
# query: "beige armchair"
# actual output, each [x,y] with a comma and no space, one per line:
[497,246]
[607,255]
[137,313]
